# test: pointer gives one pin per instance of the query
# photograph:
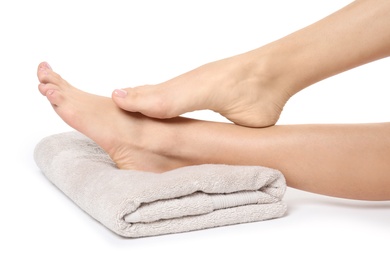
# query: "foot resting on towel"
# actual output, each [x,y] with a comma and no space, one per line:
[132,140]
[327,159]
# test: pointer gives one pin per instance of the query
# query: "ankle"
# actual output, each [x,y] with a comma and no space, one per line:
[166,140]
[277,69]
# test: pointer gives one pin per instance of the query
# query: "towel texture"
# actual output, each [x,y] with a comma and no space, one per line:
[137,204]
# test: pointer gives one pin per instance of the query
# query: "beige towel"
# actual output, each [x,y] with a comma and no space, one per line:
[138,204]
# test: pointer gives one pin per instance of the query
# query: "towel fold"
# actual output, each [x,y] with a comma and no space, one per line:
[137,204]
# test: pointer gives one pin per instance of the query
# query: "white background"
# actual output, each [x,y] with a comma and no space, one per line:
[101,45]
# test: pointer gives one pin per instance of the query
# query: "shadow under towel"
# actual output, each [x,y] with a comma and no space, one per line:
[138,204]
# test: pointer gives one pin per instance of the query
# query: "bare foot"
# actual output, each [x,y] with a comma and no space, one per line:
[239,89]
[132,140]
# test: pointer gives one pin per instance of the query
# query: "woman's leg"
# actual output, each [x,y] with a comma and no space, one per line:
[350,161]
[251,89]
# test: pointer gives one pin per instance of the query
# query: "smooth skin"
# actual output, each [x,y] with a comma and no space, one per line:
[252,88]
[349,161]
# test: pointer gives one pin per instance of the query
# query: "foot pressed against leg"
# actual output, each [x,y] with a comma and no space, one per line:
[252,88]
[231,87]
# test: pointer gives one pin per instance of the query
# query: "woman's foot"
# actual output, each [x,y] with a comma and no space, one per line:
[241,88]
[133,141]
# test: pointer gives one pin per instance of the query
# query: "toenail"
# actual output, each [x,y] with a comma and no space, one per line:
[43,70]
[44,66]
[120,92]
[50,92]
[47,65]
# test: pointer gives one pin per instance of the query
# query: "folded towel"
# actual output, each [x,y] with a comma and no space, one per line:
[137,204]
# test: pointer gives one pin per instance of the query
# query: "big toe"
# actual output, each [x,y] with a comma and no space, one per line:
[47,75]
[140,99]
[44,65]
[43,70]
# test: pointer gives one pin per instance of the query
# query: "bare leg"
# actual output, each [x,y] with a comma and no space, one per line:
[350,161]
[251,89]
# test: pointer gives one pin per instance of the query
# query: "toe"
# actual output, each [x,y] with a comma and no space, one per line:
[44,88]
[143,100]
[126,99]
[47,75]
[54,97]
[43,70]
[149,100]
[44,65]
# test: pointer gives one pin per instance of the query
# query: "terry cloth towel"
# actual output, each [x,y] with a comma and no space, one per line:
[138,204]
